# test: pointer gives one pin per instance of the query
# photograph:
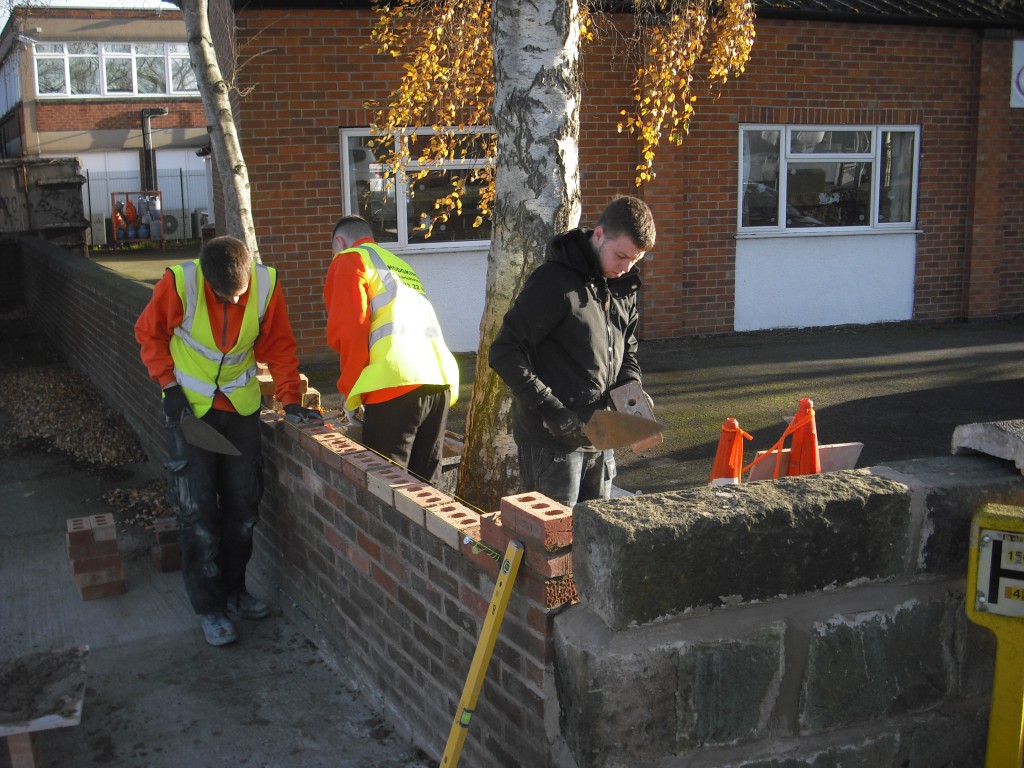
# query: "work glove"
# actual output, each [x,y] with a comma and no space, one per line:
[354,416]
[560,421]
[296,414]
[175,403]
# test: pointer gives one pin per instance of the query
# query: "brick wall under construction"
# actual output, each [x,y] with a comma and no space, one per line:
[799,623]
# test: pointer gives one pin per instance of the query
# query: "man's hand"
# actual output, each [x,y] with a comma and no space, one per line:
[562,423]
[296,414]
[175,403]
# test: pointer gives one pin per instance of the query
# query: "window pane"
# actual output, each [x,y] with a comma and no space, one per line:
[896,177]
[829,142]
[50,74]
[828,194]
[150,74]
[182,76]
[50,48]
[83,49]
[760,187]
[149,49]
[369,195]
[422,211]
[119,75]
[465,146]
[117,48]
[85,74]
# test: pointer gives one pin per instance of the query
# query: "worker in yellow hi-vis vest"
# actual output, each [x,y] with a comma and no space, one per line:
[394,364]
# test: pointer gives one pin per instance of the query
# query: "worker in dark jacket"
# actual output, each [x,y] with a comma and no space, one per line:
[568,340]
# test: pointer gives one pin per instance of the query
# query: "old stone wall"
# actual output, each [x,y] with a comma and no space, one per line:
[809,621]
[814,621]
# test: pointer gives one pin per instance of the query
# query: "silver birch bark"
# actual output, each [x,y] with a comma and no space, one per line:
[536,115]
[215,91]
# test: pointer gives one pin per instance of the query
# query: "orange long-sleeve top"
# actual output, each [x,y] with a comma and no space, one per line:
[274,346]
[347,297]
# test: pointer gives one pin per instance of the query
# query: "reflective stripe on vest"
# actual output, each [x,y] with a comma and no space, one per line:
[199,366]
[406,344]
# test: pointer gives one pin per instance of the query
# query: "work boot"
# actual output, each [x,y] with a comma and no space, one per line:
[218,628]
[248,607]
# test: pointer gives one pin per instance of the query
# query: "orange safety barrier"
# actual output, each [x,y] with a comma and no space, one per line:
[804,457]
[803,452]
[729,457]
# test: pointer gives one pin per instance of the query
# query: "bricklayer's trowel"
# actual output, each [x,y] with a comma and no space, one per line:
[614,429]
[200,434]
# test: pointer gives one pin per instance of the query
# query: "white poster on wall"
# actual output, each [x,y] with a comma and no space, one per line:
[1017,86]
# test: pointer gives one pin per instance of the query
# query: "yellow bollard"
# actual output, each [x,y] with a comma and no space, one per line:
[995,581]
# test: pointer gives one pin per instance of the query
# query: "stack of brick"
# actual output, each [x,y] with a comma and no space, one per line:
[310,398]
[544,527]
[96,563]
[166,549]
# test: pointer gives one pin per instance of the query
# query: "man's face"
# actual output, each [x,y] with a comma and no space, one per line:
[617,255]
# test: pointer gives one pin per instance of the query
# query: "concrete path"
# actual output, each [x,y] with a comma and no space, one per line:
[157,696]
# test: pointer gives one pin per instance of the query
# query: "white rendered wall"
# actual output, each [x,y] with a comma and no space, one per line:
[455,283]
[803,282]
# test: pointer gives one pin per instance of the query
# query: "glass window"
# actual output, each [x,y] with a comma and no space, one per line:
[95,69]
[827,178]
[84,66]
[50,76]
[403,209]
[150,68]
[182,76]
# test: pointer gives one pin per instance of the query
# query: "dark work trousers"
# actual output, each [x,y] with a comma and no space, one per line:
[409,429]
[216,499]
[566,476]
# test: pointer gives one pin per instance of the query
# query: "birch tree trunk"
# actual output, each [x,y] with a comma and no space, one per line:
[536,115]
[215,91]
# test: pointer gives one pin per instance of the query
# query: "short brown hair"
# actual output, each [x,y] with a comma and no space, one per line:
[629,216]
[226,265]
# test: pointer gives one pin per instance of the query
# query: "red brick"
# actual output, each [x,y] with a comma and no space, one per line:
[166,530]
[108,589]
[382,483]
[91,549]
[541,561]
[24,750]
[538,518]
[166,557]
[95,564]
[103,528]
[79,531]
[451,522]
[356,465]
[412,500]
[104,576]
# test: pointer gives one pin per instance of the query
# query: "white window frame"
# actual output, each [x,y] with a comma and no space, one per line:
[400,188]
[103,56]
[874,157]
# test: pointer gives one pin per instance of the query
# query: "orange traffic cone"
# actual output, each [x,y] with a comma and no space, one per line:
[729,457]
[803,452]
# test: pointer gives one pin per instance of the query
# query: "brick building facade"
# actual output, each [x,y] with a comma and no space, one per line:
[937,91]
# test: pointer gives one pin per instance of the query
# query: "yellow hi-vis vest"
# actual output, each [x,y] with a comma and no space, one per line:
[406,345]
[199,366]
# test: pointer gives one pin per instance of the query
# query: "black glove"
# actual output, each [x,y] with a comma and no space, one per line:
[175,403]
[296,414]
[561,422]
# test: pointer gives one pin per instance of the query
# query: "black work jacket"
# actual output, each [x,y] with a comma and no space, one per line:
[569,338]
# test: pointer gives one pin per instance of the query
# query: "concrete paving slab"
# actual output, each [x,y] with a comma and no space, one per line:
[1000,439]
